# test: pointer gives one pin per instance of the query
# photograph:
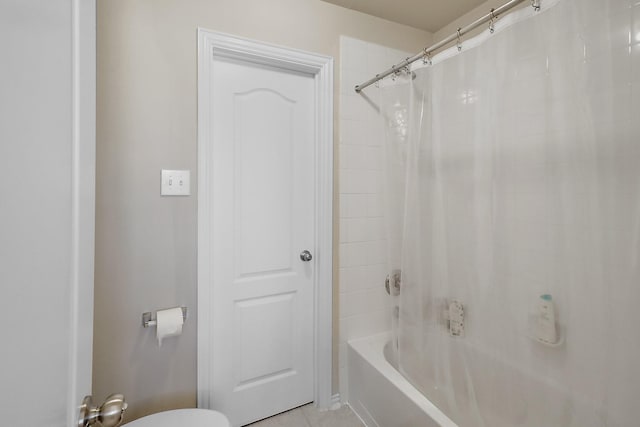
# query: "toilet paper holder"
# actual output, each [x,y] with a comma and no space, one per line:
[148,321]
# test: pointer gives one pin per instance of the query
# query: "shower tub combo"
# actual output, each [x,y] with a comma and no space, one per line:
[383,397]
[380,395]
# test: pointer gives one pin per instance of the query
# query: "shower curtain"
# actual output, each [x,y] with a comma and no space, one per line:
[513,180]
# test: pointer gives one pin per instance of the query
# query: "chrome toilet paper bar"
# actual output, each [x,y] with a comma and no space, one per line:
[148,321]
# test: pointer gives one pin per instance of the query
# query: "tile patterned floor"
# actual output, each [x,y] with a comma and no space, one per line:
[309,416]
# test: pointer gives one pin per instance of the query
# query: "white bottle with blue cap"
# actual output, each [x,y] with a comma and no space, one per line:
[546,324]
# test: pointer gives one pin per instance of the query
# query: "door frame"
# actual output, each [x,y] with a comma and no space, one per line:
[83,173]
[320,67]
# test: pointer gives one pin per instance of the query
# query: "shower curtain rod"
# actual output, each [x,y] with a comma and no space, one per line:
[427,52]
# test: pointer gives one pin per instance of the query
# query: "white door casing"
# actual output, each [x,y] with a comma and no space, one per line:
[265,195]
[83,191]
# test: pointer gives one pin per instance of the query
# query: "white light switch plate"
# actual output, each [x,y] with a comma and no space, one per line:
[175,183]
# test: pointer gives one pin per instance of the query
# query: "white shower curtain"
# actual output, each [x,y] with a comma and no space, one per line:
[514,172]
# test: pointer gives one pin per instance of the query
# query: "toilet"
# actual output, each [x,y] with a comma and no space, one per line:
[182,418]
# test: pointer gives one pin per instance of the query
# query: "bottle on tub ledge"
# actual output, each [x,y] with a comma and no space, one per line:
[545,330]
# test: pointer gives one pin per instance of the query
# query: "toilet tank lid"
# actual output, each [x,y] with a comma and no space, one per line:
[182,417]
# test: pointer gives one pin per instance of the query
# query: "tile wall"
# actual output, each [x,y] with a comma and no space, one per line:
[363,304]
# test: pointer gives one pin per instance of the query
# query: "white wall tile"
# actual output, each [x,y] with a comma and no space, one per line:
[374,205]
[352,77]
[350,131]
[355,53]
[351,278]
[350,108]
[344,384]
[342,354]
[344,230]
[364,305]
[367,324]
[375,276]
[373,157]
[353,254]
[373,180]
[375,135]
[355,205]
[377,58]
[354,157]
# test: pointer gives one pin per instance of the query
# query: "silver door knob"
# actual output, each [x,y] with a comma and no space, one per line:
[306,256]
[109,414]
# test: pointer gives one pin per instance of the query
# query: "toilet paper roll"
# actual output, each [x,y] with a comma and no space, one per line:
[168,323]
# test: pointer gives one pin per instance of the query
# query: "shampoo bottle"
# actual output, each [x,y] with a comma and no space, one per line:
[546,325]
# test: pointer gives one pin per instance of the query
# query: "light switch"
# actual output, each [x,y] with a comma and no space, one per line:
[175,183]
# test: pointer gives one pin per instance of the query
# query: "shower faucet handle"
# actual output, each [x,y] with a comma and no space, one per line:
[393,283]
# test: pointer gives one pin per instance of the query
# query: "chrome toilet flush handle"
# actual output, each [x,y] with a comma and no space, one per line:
[109,414]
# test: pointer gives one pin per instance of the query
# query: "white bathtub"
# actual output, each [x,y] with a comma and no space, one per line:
[380,395]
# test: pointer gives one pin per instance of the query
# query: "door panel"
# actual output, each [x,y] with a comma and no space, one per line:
[47,151]
[264,153]
[262,177]
[264,327]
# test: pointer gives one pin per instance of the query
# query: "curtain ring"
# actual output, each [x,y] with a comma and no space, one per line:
[426,58]
[459,44]
[492,21]
[536,5]
[407,68]
[394,73]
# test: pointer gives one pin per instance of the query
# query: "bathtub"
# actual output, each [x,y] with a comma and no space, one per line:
[380,395]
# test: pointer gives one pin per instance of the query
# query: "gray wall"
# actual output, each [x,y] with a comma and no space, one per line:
[147,97]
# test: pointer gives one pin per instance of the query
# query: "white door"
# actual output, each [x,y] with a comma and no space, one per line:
[262,218]
[47,96]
